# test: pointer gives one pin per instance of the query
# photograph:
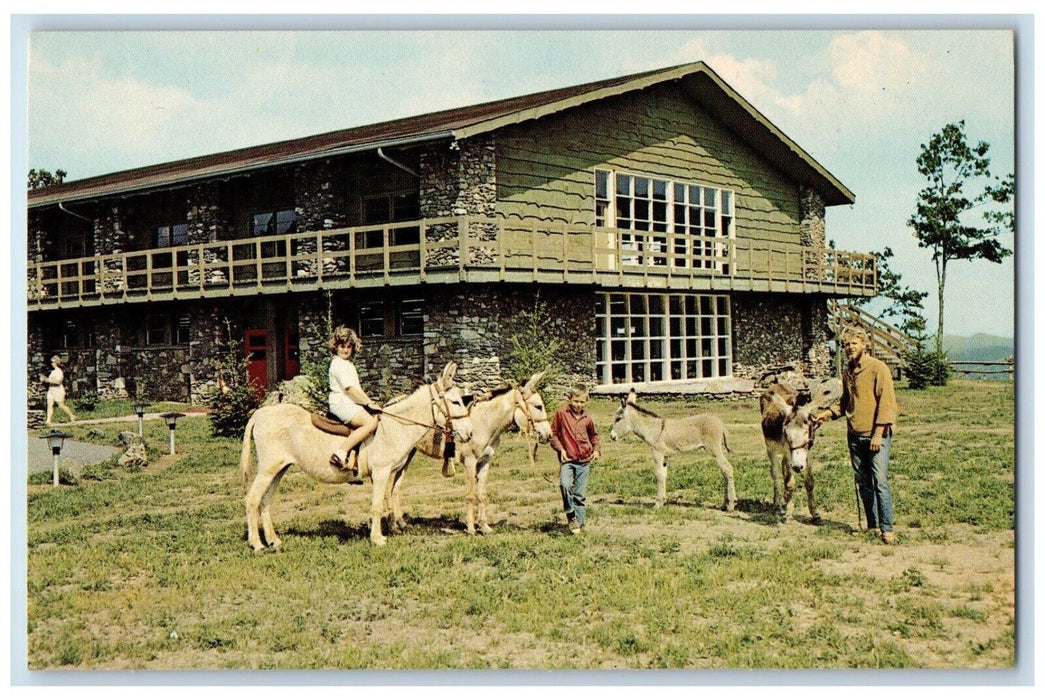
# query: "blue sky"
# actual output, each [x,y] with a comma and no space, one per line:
[861,101]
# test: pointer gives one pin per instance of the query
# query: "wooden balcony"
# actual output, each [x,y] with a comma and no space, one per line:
[448,251]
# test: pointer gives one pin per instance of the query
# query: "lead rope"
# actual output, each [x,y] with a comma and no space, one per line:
[532,452]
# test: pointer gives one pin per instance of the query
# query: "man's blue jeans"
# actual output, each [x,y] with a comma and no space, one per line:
[573,484]
[871,470]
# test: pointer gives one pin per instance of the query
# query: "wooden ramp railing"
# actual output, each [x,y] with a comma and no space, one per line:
[887,343]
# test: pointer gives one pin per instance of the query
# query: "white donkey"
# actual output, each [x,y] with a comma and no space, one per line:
[789,429]
[667,436]
[284,434]
[491,417]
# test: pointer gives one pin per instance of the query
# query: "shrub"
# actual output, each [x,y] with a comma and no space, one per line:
[926,367]
[230,409]
[233,400]
[533,348]
[87,401]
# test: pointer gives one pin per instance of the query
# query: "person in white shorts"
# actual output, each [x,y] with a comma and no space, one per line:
[55,389]
[348,401]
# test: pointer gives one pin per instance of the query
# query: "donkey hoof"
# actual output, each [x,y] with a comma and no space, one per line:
[486,529]
[658,504]
[379,541]
[730,507]
[816,520]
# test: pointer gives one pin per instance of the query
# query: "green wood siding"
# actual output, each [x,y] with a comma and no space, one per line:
[545,167]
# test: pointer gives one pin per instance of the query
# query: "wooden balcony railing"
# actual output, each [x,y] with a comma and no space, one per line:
[447,250]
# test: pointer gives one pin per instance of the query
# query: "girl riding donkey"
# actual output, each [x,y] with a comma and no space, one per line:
[348,401]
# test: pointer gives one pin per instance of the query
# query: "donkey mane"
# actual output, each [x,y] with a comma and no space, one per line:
[494,393]
[643,410]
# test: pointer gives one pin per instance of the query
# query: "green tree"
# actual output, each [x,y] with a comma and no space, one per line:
[533,345]
[943,218]
[904,304]
[44,178]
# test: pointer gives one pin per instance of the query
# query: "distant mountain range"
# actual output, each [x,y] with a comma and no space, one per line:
[978,347]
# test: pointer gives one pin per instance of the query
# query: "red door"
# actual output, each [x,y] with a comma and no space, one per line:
[291,360]
[257,362]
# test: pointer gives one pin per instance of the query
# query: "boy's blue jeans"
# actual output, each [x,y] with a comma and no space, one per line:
[573,484]
[871,470]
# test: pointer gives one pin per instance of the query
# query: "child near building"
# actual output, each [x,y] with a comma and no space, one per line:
[576,442]
[348,401]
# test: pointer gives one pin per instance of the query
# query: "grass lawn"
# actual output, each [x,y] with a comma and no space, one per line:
[151,570]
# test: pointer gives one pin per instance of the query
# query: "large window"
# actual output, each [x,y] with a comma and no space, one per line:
[278,222]
[171,235]
[68,332]
[662,337]
[165,329]
[683,223]
[391,318]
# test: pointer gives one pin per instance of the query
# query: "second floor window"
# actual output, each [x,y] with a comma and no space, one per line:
[391,206]
[681,223]
[274,223]
[172,235]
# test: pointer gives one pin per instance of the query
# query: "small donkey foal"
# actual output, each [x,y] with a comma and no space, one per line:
[667,436]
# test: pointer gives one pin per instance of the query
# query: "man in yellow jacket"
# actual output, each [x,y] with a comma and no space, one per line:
[869,405]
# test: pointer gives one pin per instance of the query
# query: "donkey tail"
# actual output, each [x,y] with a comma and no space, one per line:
[725,440]
[244,456]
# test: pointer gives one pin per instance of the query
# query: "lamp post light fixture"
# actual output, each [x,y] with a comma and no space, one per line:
[55,439]
[139,408]
[172,419]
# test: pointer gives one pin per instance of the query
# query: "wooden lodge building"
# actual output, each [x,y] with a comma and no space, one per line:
[671,231]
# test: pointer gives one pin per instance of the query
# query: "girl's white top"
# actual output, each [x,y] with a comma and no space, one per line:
[342,375]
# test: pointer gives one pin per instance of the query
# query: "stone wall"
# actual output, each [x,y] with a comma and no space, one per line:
[774,331]
[320,205]
[157,373]
[208,222]
[474,325]
[209,347]
[110,238]
[107,370]
[812,226]
[458,181]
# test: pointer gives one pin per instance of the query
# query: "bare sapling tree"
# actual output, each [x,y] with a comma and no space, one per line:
[945,219]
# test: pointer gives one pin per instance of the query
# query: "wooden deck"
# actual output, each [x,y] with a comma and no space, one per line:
[448,251]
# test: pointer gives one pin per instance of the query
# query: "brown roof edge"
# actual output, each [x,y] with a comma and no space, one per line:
[457,123]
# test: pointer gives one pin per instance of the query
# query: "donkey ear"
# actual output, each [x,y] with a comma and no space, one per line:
[449,372]
[780,402]
[632,396]
[535,380]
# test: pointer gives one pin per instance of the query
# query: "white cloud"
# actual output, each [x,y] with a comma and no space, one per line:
[94,111]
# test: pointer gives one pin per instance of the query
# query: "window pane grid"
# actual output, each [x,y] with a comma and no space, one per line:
[662,337]
[692,221]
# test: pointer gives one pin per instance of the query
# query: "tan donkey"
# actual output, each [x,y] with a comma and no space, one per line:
[668,436]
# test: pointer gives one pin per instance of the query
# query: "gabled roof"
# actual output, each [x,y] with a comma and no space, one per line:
[698,79]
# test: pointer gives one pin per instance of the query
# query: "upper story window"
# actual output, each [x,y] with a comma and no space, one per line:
[685,219]
[172,235]
[391,206]
[274,223]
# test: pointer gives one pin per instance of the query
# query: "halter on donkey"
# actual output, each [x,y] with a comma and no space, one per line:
[283,435]
[490,417]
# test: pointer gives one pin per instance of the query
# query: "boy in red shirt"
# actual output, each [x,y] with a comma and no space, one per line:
[576,442]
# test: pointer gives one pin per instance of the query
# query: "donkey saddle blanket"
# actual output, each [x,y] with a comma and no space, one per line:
[330,425]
